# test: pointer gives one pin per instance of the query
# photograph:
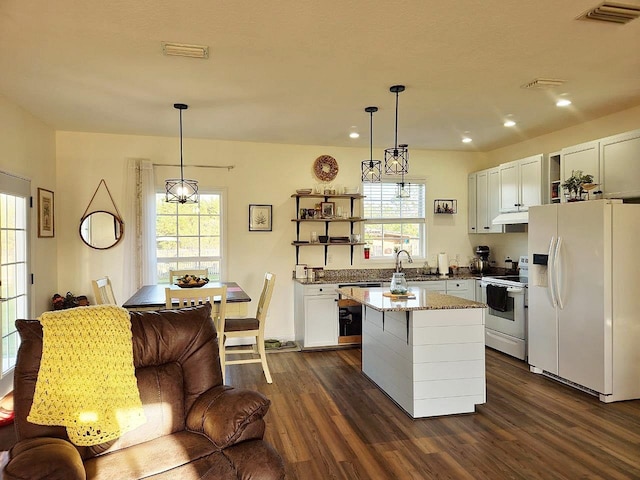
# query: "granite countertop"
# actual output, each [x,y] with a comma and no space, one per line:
[381,275]
[424,300]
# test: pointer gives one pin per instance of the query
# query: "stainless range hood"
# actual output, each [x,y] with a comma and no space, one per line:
[511,218]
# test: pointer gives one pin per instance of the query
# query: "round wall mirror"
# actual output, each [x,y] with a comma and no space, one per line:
[101,230]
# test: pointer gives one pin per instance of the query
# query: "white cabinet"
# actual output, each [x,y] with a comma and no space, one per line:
[316,315]
[585,157]
[462,288]
[520,184]
[484,198]
[620,165]
[457,288]
[471,211]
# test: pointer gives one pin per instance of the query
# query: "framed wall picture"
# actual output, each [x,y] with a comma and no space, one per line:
[260,218]
[46,212]
[328,209]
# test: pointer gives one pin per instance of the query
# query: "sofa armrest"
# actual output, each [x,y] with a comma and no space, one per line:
[44,458]
[223,414]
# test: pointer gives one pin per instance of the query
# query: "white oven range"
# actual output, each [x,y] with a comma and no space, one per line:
[506,321]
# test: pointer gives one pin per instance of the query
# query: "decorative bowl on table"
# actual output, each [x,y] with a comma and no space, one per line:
[191,281]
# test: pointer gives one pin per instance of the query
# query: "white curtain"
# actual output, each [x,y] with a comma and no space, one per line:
[140,260]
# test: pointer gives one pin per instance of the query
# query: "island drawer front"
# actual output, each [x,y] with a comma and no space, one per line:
[459,285]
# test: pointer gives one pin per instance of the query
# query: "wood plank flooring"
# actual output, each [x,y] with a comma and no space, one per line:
[328,421]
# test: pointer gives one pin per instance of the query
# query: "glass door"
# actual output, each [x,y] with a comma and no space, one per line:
[14,269]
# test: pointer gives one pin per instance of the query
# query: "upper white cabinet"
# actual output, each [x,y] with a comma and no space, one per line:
[520,184]
[585,157]
[620,165]
[613,162]
[484,192]
[471,211]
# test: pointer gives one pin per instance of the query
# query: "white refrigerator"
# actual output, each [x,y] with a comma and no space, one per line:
[584,295]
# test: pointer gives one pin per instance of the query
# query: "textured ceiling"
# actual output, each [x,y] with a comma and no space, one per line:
[302,72]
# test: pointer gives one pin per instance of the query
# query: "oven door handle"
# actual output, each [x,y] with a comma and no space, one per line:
[516,290]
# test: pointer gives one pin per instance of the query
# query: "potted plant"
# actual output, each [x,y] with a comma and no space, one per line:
[573,185]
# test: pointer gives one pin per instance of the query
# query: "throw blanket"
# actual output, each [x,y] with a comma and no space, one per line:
[87,379]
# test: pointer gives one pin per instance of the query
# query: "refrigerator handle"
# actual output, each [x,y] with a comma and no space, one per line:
[556,269]
[550,286]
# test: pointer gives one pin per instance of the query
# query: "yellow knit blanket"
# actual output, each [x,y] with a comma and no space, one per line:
[87,380]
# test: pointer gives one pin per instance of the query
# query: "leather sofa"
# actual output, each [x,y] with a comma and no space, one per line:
[197,428]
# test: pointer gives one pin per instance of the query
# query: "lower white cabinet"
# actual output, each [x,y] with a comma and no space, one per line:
[457,288]
[316,315]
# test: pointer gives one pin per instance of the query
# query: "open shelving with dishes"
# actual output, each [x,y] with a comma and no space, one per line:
[325,215]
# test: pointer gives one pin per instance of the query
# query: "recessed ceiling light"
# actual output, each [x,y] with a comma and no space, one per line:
[354,135]
[467,140]
[563,102]
[509,123]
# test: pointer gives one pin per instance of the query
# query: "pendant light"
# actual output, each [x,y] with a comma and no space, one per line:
[181,190]
[396,159]
[404,188]
[371,169]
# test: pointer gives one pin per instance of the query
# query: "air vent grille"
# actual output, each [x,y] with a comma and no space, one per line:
[184,50]
[543,83]
[612,13]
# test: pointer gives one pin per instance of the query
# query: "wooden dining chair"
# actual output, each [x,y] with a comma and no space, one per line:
[189,297]
[198,272]
[249,327]
[103,291]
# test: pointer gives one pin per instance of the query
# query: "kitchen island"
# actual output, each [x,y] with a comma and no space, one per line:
[427,352]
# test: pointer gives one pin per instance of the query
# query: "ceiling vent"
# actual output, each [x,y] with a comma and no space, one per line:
[543,83]
[184,50]
[612,12]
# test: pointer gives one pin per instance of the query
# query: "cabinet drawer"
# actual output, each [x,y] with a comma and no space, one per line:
[326,289]
[458,285]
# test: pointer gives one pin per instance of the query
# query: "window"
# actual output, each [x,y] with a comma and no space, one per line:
[14,270]
[189,235]
[392,222]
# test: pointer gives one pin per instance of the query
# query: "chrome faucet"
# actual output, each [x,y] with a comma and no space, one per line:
[399,262]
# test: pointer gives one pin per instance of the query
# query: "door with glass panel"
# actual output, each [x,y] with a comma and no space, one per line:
[14,269]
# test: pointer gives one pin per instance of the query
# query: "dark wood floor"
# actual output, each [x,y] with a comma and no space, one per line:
[328,421]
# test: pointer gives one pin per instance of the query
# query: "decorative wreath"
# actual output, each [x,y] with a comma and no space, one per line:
[325,168]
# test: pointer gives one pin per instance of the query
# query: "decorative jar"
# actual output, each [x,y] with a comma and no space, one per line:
[399,284]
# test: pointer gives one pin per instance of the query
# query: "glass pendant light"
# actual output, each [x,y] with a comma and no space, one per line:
[371,169]
[181,190]
[396,159]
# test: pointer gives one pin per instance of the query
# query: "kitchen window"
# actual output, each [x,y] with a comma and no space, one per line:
[189,235]
[394,222]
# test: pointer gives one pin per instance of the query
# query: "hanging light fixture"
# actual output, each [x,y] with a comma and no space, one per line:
[371,169]
[181,190]
[404,188]
[396,159]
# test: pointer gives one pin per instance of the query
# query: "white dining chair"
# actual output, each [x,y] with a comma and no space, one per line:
[249,327]
[103,291]
[189,297]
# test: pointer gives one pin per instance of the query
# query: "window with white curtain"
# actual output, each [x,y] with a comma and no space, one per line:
[394,222]
[189,235]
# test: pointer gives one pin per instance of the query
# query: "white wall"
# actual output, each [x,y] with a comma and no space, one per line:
[263,174]
[27,149]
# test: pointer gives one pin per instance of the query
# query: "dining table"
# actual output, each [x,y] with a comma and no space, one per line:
[152,297]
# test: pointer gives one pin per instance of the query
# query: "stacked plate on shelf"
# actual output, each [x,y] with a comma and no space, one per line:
[303,191]
[339,239]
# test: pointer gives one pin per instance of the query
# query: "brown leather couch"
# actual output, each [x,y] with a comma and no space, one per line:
[197,428]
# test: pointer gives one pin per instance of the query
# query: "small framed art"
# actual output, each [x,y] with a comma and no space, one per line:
[260,218]
[328,209]
[46,211]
